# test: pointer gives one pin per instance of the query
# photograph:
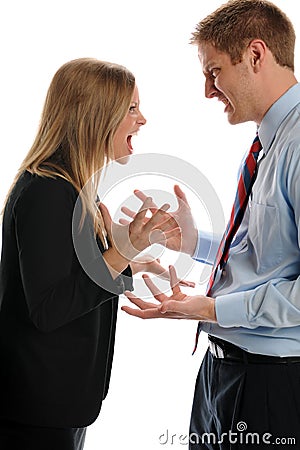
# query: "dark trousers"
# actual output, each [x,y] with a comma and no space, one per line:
[242,405]
[15,436]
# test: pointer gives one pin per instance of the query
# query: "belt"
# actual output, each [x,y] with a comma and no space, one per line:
[225,350]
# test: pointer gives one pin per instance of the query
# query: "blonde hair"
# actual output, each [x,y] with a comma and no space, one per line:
[86,102]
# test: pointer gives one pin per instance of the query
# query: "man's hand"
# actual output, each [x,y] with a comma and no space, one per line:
[176,306]
[146,263]
[187,241]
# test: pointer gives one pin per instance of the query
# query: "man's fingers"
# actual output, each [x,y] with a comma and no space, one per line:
[146,310]
[180,194]
[186,283]
[151,313]
[154,289]
[172,306]
[139,302]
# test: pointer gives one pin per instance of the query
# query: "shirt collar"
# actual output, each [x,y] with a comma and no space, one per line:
[276,114]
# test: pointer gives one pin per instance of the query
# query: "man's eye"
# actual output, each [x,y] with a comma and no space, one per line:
[214,73]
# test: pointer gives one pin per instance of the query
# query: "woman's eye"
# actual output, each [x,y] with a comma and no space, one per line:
[132,108]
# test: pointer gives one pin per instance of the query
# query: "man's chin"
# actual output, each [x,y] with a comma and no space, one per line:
[232,119]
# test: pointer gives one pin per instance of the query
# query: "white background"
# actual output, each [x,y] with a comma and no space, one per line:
[153,373]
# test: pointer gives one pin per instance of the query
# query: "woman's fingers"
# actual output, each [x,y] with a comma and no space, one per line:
[145,231]
[141,196]
[128,212]
[138,220]
[124,222]
[106,219]
[161,220]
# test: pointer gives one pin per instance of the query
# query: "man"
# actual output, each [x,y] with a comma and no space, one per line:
[248,388]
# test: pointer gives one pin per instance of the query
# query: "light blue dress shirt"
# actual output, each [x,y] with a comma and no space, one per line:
[258,293]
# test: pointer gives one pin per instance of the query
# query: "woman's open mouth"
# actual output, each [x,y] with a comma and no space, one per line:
[129,142]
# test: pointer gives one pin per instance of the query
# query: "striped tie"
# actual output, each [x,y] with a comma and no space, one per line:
[246,180]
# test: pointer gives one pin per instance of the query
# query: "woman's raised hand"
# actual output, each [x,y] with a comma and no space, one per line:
[132,238]
[184,242]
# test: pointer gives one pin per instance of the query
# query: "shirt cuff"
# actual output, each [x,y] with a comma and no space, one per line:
[206,248]
[231,310]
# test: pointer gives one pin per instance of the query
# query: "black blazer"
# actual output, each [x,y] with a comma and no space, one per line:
[57,321]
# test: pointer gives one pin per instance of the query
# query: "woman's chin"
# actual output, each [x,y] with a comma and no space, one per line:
[123,160]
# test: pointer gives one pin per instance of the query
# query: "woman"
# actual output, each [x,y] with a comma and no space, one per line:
[57,320]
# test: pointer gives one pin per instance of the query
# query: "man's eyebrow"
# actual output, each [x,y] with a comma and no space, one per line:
[209,66]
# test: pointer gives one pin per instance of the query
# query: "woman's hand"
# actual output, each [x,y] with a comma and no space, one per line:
[176,306]
[147,263]
[127,241]
[187,241]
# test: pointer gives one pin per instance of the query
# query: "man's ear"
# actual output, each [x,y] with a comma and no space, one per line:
[257,50]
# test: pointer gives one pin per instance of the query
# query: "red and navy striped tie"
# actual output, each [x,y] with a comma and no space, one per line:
[246,180]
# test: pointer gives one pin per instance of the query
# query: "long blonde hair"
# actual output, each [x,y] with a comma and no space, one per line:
[86,102]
